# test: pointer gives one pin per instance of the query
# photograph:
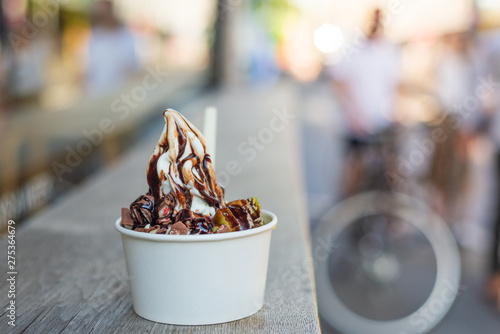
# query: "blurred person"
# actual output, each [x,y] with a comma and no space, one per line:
[455,73]
[112,57]
[23,66]
[367,82]
[262,64]
[493,109]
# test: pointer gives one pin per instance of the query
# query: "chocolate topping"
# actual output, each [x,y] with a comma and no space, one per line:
[127,219]
[179,228]
[184,216]
[223,229]
[161,230]
[184,197]
[151,229]
[202,226]
[195,168]
[142,210]
[164,221]
[242,216]
[166,206]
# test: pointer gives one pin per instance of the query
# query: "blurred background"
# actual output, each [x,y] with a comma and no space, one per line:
[393,95]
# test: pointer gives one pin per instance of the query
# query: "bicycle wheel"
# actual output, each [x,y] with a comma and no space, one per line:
[411,210]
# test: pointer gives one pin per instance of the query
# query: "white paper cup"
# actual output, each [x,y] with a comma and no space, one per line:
[198,279]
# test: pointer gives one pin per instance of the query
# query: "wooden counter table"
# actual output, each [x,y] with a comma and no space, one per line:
[71,274]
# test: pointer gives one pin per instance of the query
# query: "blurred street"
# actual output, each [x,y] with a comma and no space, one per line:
[322,156]
[322,102]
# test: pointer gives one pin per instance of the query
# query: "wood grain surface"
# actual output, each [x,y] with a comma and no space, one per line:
[71,270]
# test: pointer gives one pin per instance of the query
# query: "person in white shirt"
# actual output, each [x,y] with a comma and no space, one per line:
[366,82]
[112,57]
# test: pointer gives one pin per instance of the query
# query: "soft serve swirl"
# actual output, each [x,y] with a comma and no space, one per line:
[180,163]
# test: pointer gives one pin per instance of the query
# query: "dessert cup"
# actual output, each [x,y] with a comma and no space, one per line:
[198,279]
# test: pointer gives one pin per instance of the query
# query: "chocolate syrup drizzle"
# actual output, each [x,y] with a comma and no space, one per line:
[195,168]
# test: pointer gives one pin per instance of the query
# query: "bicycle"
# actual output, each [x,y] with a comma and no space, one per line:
[382,228]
